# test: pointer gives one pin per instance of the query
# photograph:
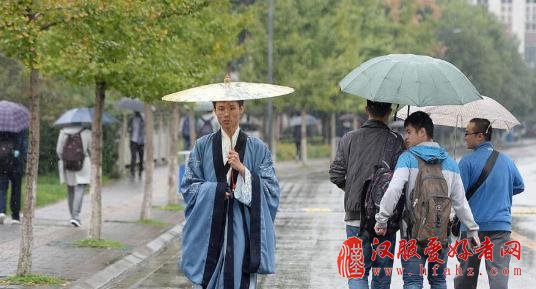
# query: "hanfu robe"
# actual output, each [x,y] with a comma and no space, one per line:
[225,243]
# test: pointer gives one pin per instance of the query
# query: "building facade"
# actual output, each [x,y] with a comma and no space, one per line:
[519,18]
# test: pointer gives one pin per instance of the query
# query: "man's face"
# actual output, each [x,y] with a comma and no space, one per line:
[473,137]
[413,137]
[228,114]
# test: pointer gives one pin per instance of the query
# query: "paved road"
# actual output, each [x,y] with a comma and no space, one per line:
[310,231]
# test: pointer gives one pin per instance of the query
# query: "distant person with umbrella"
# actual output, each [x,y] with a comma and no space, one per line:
[296,133]
[207,122]
[13,151]
[73,150]
[136,126]
[185,132]
[136,129]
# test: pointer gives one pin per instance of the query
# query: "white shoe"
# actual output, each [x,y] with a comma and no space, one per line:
[15,222]
[2,218]
[75,223]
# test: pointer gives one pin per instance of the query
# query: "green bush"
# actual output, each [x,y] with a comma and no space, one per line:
[287,151]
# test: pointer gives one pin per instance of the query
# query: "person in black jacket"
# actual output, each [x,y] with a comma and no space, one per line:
[358,153]
[12,168]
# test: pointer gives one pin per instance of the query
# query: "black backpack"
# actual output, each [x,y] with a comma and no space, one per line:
[375,186]
[73,152]
[206,128]
[7,146]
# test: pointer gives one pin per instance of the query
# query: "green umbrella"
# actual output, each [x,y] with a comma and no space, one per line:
[410,80]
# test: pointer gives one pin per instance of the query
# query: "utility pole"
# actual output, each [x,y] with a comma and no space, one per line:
[270,69]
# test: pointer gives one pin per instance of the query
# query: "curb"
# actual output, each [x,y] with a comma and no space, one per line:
[112,272]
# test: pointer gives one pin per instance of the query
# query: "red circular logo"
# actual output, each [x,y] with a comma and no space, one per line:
[351,261]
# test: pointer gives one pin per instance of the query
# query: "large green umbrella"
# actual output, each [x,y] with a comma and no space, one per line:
[410,80]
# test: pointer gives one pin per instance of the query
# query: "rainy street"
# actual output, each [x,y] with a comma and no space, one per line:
[310,230]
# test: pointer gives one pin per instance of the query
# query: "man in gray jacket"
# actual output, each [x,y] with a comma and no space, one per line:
[358,153]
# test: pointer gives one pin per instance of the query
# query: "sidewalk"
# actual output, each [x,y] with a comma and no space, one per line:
[53,252]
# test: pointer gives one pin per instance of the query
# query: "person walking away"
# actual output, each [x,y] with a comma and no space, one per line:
[73,150]
[13,153]
[136,128]
[490,201]
[207,124]
[185,132]
[359,154]
[297,141]
[434,186]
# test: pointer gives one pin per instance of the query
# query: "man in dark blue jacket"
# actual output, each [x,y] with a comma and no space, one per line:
[490,204]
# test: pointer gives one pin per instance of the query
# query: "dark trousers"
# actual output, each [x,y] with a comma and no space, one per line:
[186,141]
[136,150]
[298,149]
[16,180]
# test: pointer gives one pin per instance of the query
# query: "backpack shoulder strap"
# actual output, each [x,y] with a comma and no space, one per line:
[483,175]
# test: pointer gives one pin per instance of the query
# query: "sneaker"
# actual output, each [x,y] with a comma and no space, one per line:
[15,222]
[2,218]
[75,223]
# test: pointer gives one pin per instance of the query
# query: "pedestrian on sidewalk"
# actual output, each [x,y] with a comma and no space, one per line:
[73,150]
[432,178]
[13,153]
[136,127]
[490,199]
[185,132]
[231,194]
[357,156]
[207,124]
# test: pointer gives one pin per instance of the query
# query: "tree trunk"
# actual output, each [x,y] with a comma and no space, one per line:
[162,146]
[277,132]
[172,157]
[193,128]
[333,135]
[303,143]
[123,144]
[96,161]
[147,201]
[24,266]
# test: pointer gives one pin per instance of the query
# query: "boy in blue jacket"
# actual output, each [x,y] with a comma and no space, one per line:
[491,203]
[419,133]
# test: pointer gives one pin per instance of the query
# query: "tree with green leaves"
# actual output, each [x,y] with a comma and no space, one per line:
[97,49]
[312,56]
[196,49]
[22,28]
[476,42]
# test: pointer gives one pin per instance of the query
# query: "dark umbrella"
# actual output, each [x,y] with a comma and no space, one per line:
[13,116]
[309,120]
[130,104]
[81,116]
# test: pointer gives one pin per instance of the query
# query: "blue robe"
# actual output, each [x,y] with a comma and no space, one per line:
[251,249]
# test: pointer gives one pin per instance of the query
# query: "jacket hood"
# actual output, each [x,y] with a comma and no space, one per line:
[429,152]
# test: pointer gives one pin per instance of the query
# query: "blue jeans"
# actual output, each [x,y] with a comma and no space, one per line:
[414,271]
[381,280]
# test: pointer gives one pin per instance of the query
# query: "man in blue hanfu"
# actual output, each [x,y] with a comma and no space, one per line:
[231,194]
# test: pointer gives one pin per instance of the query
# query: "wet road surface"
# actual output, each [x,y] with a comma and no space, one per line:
[310,230]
